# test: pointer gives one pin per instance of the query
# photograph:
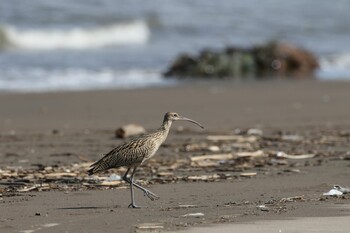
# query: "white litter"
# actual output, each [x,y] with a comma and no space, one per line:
[342,189]
[197,215]
[337,190]
[263,208]
[114,177]
[333,192]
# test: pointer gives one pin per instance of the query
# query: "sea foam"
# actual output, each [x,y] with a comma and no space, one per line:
[42,80]
[335,66]
[136,32]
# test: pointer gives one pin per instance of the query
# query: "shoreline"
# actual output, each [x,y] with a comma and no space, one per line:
[186,82]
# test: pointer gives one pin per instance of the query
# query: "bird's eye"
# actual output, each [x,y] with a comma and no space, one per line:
[175,115]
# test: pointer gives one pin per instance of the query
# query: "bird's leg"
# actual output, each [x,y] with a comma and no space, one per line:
[125,176]
[133,205]
[147,193]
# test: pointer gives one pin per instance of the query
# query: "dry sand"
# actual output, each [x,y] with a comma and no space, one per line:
[302,225]
[49,128]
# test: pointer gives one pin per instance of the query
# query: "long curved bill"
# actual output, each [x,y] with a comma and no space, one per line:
[190,120]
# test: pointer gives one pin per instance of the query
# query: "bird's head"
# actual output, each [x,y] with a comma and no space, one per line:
[173,116]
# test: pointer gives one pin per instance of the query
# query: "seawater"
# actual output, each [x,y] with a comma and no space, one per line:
[48,45]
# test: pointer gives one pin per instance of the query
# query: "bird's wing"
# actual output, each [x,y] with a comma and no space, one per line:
[127,154]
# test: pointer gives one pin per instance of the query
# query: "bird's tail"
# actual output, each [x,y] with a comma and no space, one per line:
[100,165]
[91,171]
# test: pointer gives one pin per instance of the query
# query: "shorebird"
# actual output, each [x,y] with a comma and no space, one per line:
[136,152]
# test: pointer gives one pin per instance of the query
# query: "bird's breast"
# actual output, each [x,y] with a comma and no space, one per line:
[152,148]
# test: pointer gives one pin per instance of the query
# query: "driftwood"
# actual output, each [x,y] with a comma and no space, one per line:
[237,138]
[286,156]
[129,130]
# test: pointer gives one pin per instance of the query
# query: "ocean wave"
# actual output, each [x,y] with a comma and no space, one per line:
[136,32]
[41,80]
[335,67]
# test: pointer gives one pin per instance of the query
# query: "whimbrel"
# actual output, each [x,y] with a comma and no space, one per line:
[134,153]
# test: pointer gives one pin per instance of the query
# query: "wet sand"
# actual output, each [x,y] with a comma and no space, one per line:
[52,128]
[217,105]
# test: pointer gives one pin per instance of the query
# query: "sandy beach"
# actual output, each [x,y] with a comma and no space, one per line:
[48,131]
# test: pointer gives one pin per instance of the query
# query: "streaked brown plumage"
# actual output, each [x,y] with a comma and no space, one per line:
[135,152]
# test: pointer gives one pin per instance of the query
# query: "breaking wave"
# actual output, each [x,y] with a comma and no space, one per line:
[335,67]
[41,80]
[74,38]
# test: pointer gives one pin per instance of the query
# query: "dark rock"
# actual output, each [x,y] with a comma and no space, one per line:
[272,59]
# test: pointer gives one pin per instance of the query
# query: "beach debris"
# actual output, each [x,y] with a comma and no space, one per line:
[187,206]
[237,138]
[258,153]
[330,139]
[333,192]
[150,226]
[196,215]
[218,156]
[39,187]
[292,170]
[204,177]
[165,174]
[342,189]
[129,130]
[114,177]
[214,148]
[253,131]
[292,137]
[210,160]
[243,146]
[40,227]
[248,174]
[282,154]
[201,147]
[263,208]
[212,157]
[337,190]
[61,174]
[293,199]
[205,163]
[110,183]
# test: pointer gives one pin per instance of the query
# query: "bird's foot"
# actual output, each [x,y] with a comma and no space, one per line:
[132,205]
[151,195]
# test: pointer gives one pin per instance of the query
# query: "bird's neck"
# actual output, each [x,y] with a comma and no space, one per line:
[166,125]
[163,130]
